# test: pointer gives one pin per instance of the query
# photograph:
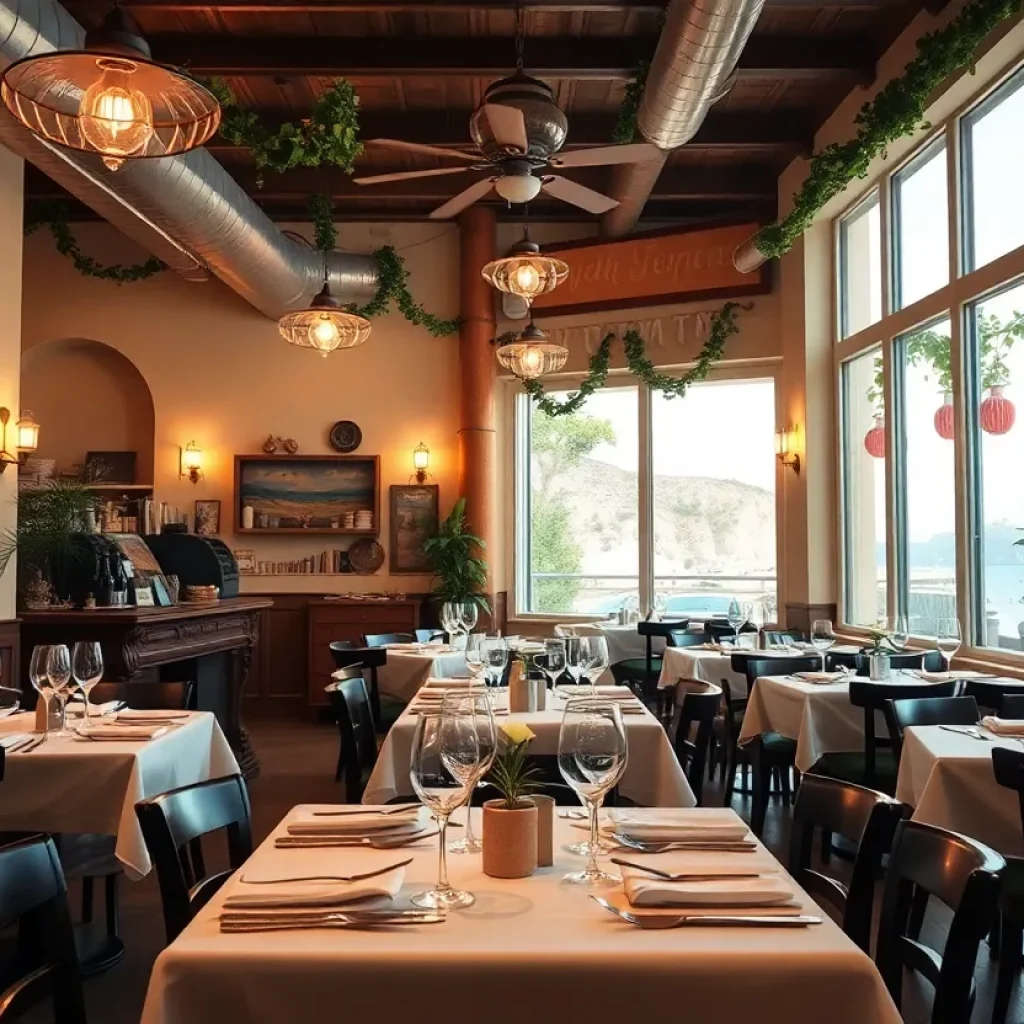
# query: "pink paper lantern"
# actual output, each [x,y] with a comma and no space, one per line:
[874,439]
[997,412]
[945,417]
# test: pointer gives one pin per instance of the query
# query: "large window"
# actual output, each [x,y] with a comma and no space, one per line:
[583,543]
[860,267]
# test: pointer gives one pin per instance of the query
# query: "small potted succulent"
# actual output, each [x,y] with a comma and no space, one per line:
[879,653]
[510,823]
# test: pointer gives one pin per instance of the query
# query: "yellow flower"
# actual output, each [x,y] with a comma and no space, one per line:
[517,732]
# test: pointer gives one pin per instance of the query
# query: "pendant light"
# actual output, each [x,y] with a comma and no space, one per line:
[531,354]
[110,98]
[525,271]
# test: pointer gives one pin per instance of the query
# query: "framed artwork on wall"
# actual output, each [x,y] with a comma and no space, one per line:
[414,518]
[109,467]
[207,518]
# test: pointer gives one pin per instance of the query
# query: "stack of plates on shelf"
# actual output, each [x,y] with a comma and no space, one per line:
[201,595]
[349,521]
[364,520]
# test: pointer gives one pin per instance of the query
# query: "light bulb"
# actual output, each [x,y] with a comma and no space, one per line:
[116,120]
[527,280]
[323,335]
[531,362]
[517,188]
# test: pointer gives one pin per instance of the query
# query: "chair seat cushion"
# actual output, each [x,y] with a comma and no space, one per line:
[635,668]
[778,745]
[850,767]
[390,709]
[88,855]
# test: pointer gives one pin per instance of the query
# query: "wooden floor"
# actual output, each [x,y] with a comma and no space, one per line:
[297,765]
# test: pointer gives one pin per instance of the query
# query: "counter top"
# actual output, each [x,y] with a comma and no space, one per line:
[143,616]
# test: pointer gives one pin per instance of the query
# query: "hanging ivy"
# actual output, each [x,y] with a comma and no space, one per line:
[896,111]
[625,125]
[54,217]
[721,327]
[329,136]
[325,235]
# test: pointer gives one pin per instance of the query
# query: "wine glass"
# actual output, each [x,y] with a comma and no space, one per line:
[553,664]
[58,671]
[597,659]
[475,654]
[577,653]
[468,615]
[736,618]
[748,616]
[40,680]
[822,637]
[87,669]
[444,759]
[495,652]
[900,635]
[947,639]
[450,620]
[592,757]
[660,606]
[478,708]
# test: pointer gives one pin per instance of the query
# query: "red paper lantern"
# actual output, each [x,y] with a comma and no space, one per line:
[874,439]
[945,417]
[997,412]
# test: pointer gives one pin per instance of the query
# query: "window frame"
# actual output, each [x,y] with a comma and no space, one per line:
[871,198]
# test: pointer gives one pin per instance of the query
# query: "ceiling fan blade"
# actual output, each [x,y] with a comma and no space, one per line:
[633,153]
[508,125]
[417,147]
[467,197]
[434,172]
[579,195]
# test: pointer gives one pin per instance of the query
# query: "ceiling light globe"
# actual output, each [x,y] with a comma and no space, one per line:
[116,120]
[531,354]
[517,188]
[525,271]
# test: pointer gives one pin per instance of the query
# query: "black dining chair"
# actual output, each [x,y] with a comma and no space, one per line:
[866,819]
[962,874]
[383,639]
[989,693]
[147,696]
[1012,707]
[33,896]
[358,752]
[173,825]
[859,661]
[718,631]
[684,638]
[1008,768]
[346,653]
[697,704]
[783,636]
[902,714]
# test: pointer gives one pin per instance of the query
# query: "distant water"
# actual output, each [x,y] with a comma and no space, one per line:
[1004,594]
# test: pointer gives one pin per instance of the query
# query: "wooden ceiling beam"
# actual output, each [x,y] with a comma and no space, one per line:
[595,58]
[454,6]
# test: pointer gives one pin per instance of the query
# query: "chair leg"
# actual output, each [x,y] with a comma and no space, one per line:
[341,766]
[784,785]
[1010,940]
[87,891]
[731,758]
[110,898]
[762,778]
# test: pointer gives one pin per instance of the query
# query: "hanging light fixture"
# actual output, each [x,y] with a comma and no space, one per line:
[110,98]
[525,271]
[531,354]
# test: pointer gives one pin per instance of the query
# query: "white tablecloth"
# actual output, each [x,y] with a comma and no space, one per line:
[624,642]
[709,666]
[948,780]
[406,671]
[652,778]
[530,949]
[75,785]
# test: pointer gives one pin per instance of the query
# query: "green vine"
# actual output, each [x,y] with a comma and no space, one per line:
[330,135]
[325,235]
[721,327]
[625,125]
[54,217]
[896,111]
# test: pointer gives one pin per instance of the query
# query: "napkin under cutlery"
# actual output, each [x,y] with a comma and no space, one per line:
[152,715]
[661,825]
[821,678]
[372,822]
[132,733]
[286,895]
[644,890]
[1003,726]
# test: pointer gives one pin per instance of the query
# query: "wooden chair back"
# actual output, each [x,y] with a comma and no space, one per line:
[173,825]
[753,667]
[902,714]
[1012,706]
[147,696]
[683,638]
[350,703]
[962,874]
[33,895]
[1008,767]
[783,636]
[723,631]
[346,654]
[864,817]
[696,703]
[383,639]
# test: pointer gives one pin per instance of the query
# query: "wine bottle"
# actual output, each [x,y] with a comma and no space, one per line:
[104,586]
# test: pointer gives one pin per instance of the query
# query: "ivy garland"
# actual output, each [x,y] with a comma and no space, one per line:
[54,217]
[625,125]
[897,110]
[721,327]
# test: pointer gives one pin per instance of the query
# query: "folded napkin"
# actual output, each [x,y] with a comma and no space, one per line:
[157,715]
[644,890]
[659,825]
[1003,726]
[289,895]
[14,739]
[452,683]
[821,677]
[78,708]
[121,732]
[370,822]
[420,648]
[945,677]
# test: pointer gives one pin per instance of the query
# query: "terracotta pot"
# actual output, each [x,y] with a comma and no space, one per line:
[510,840]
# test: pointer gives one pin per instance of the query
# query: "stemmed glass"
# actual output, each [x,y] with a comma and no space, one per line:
[40,680]
[577,654]
[477,708]
[450,619]
[597,659]
[87,669]
[736,619]
[553,664]
[468,615]
[495,652]
[822,637]
[947,639]
[900,635]
[475,654]
[592,757]
[58,671]
[444,761]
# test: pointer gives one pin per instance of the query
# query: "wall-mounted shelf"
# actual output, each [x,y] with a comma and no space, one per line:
[118,487]
[322,531]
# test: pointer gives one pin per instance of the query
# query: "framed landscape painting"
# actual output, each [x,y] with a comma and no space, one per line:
[413,520]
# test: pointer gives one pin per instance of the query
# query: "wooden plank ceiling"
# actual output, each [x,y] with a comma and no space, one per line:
[421,67]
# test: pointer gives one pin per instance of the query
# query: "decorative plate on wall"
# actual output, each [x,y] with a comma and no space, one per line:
[345,436]
[366,556]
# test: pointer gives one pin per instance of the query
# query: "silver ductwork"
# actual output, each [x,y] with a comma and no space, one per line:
[185,209]
[697,54]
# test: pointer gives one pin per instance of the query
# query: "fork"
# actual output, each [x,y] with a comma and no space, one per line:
[327,878]
[966,731]
[332,919]
[657,922]
[405,809]
[695,844]
[686,876]
[327,842]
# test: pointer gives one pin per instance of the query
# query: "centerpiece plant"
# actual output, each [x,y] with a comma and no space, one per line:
[510,822]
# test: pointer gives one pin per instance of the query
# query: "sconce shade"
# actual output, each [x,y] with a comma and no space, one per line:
[421,456]
[324,325]
[28,433]
[525,272]
[532,355]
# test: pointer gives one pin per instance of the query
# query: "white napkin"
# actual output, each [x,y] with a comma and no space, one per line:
[287,895]
[121,732]
[13,739]
[78,708]
[656,825]
[945,677]
[644,890]
[420,648]
[821,677]
[365,823]
[1003,726]
[443,683]
[159,715]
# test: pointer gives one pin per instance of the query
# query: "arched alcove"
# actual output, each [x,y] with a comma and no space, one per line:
[87,396]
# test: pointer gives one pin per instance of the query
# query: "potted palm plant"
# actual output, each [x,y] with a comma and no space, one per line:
[510,823]
[460,574]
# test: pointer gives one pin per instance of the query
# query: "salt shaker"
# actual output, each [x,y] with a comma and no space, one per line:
[545,829]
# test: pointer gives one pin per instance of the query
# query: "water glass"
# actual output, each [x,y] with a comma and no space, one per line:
[58,671]
[592,756]
[577,654]
[597,659]
[900,635]
[87,669]
[553,662]
[468,615]
[736,618]
[822,637]
[477,708]
[475,654]
[40,680]
[495,654]
[443,763]
[948,639]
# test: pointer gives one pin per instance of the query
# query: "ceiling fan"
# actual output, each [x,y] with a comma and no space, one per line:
[518,130]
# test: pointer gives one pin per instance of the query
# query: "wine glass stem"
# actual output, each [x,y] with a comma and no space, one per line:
[62,707]
[88,709]
[46,710]
[442,859]
[470,837]
[592,806]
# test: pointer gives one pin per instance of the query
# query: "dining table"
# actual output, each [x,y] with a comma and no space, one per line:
[653,776]
[704,664]
[529,948]
[409,666]
[76,784]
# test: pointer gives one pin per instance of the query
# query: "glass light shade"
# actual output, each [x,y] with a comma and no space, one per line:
[324,326]
[28,433]
[525,271]
[110,98]
[517,188]
[421,457]
[532,355]
[192,457]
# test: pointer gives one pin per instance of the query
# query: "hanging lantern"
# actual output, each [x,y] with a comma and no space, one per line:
[525,272]
[110,98]
[945,418]
[874,439]
[531,355]
[997,412]
[324,325]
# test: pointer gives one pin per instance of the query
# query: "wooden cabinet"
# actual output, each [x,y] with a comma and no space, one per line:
[349,620]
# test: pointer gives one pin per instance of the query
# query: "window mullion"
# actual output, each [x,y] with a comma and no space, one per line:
[645,497]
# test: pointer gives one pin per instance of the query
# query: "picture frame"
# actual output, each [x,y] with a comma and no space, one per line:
[414,517]
[207,517]
[245,559]
[144,597]
[307,494]
[109,467]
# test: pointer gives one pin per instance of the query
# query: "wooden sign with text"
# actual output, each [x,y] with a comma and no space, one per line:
[652,269]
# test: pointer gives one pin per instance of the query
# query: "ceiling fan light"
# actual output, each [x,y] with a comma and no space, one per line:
[324,326]
[531,354]
[517,188]
[525,271]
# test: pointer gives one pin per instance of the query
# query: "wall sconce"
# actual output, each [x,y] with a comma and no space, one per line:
[785,448]
[28,438]
[190,462]
[421,461]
